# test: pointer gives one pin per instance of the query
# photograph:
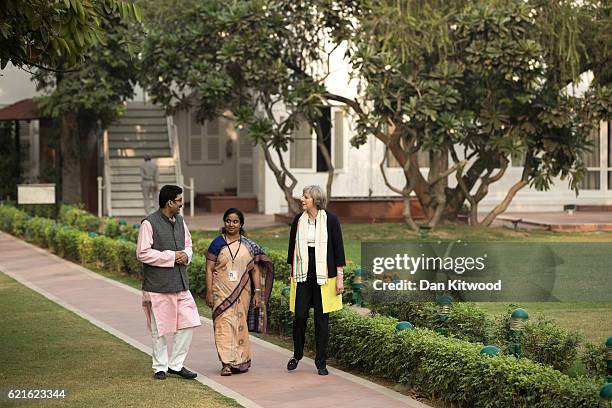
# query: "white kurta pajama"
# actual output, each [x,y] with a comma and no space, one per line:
[174,312]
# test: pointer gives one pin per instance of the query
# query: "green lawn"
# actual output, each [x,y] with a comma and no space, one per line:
[44,346]
[277,237]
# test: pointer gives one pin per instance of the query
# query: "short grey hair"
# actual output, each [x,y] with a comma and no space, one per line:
[318,196]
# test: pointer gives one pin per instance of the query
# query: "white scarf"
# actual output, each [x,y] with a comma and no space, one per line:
[300,252]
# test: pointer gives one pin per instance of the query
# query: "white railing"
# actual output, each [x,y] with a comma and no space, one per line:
[107,180]
[176,158]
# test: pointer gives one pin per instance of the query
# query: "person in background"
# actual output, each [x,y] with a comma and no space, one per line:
[316,256]
[150,179]
[164,248]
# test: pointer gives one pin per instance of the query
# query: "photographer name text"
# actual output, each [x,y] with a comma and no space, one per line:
[425,285]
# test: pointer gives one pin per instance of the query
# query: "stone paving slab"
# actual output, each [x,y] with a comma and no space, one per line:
[578,221]
[117,309]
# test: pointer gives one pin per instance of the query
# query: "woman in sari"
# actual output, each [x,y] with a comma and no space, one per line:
[237,292]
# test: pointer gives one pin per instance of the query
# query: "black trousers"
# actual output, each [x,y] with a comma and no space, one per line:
[308,295]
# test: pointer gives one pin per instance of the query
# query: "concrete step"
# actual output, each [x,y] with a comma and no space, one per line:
[129,212]
[144,121]
[142,105]
[136,162]
[129,152]
[138,144]
[137,112]
[130,203]
[137,129]
[135,171]
[125,187]
[127,195]
[163,179]
[138,137]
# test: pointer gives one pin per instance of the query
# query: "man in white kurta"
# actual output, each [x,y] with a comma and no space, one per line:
[164,247]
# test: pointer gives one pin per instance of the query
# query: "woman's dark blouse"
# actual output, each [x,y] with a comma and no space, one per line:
[335,245]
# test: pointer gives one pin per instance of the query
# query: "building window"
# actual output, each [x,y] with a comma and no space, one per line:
[204,141]
[592,178]
[305,150]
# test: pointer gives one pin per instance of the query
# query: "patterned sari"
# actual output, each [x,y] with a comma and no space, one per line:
[233,312]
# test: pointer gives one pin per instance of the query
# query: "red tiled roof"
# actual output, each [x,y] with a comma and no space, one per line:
[25,109]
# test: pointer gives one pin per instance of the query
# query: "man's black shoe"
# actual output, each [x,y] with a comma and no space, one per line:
[160,375]
[185,373]
[292,364]
[323,371]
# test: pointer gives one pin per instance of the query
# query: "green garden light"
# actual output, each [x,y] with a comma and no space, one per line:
[401,326]
[424,230]
[444,308]
[357,285]
[489,351]
[517,327]
[122,222]
[606,392]
[609,358]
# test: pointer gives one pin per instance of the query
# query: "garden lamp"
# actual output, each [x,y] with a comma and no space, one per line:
[444,308]
[424,230]
[401,326]
[489,350]
[609,358]
[357,285]
[122,222]
[606,392]
[92,234]
[136,226]
[286,291]
[517,326]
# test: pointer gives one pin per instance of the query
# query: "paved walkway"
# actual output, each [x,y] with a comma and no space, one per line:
[116,308]
[583,221]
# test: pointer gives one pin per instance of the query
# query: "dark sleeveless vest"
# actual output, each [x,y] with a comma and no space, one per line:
[167,235]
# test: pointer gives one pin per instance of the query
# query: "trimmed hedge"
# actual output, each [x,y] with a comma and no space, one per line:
[450,369]
[594,359]
[75,216]
[544,341]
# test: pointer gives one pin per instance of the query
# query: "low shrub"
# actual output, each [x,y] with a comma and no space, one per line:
[594,359]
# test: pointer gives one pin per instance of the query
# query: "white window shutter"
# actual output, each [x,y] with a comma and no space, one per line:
[195,140]
[213,143]
[338,141]
[302,147]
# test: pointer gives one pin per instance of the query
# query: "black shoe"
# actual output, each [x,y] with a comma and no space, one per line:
[323,371]
[185,373]
[160,375]
[292,364]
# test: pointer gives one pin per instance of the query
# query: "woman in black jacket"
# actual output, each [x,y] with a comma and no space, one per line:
[316,256]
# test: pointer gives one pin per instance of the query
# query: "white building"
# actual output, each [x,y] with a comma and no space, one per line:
[223,163]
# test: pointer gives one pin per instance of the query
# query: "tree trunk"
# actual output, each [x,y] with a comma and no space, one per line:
[328,162]
[89,162]
[281,175]
[71,159]
[501,207]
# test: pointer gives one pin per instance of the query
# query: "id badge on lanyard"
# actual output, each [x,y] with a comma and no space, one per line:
[233,274]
